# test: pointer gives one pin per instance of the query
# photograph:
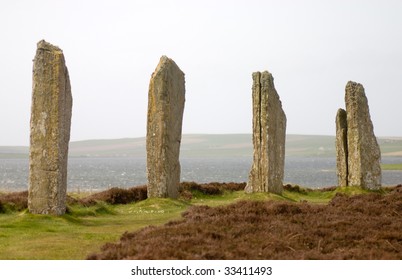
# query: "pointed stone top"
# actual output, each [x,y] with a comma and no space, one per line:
[353,86]
[341,112]
[341,116]
[265,78]
[165,59]
[354,91]
[43,45]
[166,64]
[264,75]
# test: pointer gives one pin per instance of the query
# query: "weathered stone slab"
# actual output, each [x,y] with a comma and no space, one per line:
[50,131]
[364,153]
[269,134]
[342,147]
[166,99]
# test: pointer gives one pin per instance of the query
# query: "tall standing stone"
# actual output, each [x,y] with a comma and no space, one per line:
[269,133]
[342,147]
[364,153]
[166,98]
[50,131]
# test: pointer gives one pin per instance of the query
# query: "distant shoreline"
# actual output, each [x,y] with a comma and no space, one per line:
[208,145]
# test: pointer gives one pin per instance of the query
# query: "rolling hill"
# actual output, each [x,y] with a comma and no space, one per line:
[208,145]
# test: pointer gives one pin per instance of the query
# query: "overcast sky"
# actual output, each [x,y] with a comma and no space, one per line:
[312,48]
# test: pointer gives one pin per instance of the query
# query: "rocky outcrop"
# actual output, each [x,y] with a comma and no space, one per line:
[362,150]
[166,98]
[342,148]
[269,133]
[50,131]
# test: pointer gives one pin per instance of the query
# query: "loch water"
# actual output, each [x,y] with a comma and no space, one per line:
[96,174]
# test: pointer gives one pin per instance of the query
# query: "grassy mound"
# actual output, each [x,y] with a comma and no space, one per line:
[364,226]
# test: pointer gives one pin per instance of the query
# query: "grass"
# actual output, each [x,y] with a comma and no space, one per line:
[396,166]
[84,229]
[226,198]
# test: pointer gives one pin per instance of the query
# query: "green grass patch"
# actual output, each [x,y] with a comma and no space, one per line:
[309,196]
[82,231]
[228,197]
[395,166]
[320,196]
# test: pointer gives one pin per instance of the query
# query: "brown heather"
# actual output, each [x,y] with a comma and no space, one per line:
[365,226]
[15,201]
[214,188]
[117,196]
[18,201]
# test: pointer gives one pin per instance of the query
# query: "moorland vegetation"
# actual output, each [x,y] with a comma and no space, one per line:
[209,221]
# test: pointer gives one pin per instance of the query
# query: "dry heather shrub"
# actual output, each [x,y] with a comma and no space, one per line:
[357,227]
[16,201]
[2,208]
[234,186]
[208,189]
[327,189]
[117,196]
[214,188]
[298,189]
[295,188]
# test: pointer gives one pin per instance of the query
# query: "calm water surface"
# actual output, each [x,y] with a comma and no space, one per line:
[93,174]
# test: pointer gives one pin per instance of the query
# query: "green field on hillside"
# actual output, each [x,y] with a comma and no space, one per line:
[397,166]
[208,145]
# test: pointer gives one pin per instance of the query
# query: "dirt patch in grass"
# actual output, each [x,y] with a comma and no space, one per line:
[367,226]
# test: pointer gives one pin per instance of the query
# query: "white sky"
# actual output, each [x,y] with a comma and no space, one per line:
[111,48]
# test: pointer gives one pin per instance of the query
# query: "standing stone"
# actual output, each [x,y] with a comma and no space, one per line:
[50,131]
[166,98]
[269,133]
[364,154]
[342,148]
